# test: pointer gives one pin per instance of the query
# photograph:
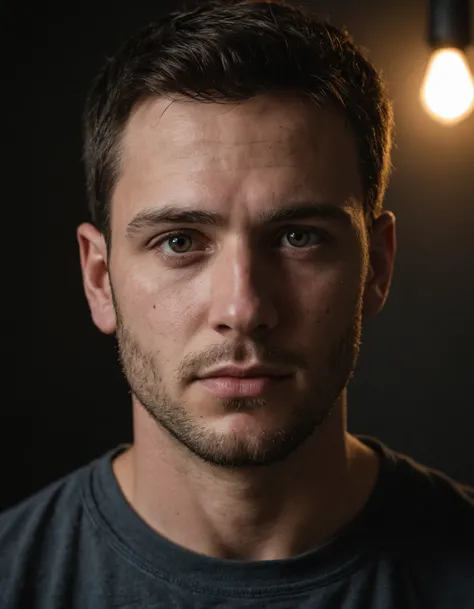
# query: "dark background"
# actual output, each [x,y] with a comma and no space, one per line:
[414,385]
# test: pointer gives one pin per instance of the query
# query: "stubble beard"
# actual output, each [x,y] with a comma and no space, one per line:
[150,388]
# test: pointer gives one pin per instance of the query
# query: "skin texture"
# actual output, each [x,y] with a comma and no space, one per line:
[242,478]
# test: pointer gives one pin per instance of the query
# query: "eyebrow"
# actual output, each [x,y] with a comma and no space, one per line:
[150,218]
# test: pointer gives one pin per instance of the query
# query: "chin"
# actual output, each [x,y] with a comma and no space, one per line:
[243,440]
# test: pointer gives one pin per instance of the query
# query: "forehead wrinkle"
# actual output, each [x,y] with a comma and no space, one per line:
[196,151]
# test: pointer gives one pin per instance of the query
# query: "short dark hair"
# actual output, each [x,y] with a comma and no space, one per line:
[231,51]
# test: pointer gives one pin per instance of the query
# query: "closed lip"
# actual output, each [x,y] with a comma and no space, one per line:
[249,372]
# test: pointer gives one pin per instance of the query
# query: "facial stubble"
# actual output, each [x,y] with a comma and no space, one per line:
[226,450]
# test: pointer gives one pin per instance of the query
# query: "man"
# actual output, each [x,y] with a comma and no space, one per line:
[237,157]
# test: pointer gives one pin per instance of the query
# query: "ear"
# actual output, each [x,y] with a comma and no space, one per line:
[382,250]
[95,277]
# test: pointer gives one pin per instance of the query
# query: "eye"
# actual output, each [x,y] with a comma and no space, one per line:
[176,243]
[300,238]
[179,243]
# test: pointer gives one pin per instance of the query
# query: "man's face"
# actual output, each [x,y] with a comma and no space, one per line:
[245,289]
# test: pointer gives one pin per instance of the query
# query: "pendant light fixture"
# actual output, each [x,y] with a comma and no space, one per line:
[447,92]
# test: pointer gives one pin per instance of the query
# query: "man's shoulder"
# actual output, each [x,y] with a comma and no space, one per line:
[42,535]
[441,538]
[421,505]
[51,510]
[422,528]
[435,492]
[435,510]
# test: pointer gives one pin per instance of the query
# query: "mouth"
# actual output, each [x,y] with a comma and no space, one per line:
[238,387]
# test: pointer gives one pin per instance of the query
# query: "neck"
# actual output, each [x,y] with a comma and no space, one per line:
[259,513]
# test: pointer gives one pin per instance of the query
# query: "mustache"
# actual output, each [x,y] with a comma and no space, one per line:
[236,352]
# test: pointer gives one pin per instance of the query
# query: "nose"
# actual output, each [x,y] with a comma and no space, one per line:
[242,299]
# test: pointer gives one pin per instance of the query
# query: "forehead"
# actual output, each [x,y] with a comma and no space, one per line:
[260,149]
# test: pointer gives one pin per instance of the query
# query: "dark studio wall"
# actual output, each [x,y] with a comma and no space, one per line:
[414,384]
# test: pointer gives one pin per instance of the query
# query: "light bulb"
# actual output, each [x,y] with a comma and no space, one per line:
[447,92]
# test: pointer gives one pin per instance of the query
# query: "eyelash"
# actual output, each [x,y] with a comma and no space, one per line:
[188,233]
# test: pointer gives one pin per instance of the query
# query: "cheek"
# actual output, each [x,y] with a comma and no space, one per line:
[157,308]
[329,300]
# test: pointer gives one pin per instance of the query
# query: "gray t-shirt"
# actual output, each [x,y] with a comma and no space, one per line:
[78,544]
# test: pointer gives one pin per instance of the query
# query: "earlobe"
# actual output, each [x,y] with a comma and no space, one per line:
[382,250]
[95,277]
